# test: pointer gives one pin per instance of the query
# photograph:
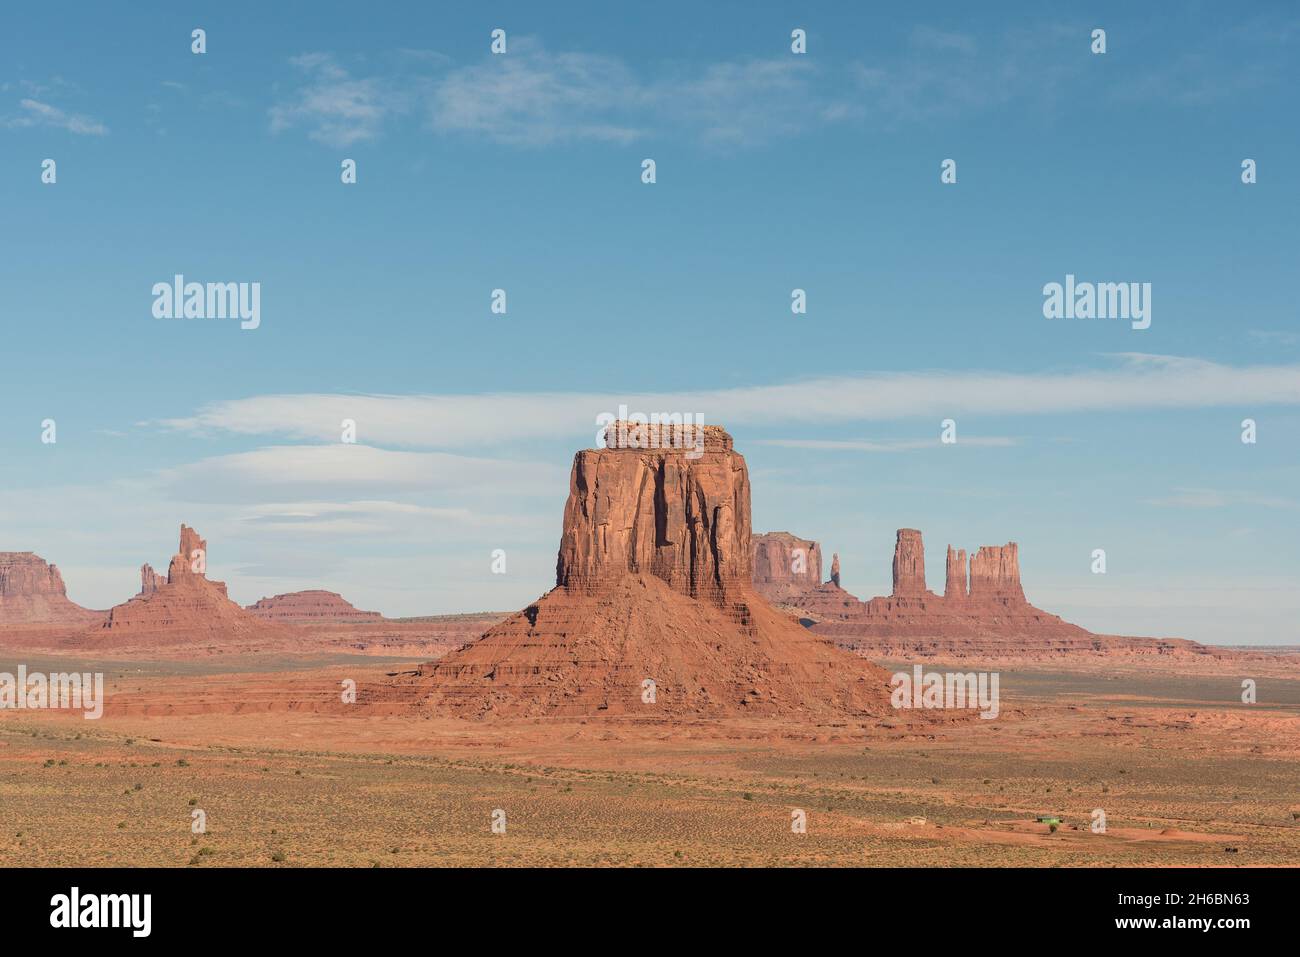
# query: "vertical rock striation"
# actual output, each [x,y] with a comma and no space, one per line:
[660,512]
[954,588]
[909,564]
[150,580]
[995,573]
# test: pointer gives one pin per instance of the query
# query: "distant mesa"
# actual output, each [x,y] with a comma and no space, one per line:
[32,593]
[306,607]
[983,609]
[654,612]
[785,566]
[185,606]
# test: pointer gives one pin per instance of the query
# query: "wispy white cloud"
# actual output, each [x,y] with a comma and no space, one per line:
[748,101]
[347,469]
[1135,382]
[930,38]
[1274,337]
[365,517]
[37,113]
[901,445]
[532,97]
[1219,498]
[336,108]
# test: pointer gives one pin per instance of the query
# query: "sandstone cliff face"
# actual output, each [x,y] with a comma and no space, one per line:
[25,573]
[909,564]
[150,580]
[995,573]
[653,613]
[311,606]
[954,588]
[32,592]
[658,512]
[785,565]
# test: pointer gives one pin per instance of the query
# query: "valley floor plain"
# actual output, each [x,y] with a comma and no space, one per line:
[288,775]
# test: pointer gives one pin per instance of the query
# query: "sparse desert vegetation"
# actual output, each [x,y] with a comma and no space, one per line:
[286,780]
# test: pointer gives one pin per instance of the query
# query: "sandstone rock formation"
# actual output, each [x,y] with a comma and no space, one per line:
[785,566]
[150,581]
[995,573]
[992,608]
[954,588]
[909,564]
[311,606]
[988,617]
[187,608]
[190,559]
[653,613]
[662,513]
[32,593]
[835,569]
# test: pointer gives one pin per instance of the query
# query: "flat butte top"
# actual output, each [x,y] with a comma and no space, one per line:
[670,436]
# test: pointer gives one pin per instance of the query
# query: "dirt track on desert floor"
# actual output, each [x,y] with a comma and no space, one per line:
[286,773]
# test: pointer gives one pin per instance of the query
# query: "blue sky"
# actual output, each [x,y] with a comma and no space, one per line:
[775,171]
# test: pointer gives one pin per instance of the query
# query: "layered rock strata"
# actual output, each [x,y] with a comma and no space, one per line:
[187,606]
[785,566]
[654,613]
[32,593]
[983,611]
[311,606]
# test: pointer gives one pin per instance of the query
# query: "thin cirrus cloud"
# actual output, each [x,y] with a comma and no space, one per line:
[1133,382]
[1216,498]
[533,97]
[337,108]
[901,445]
[367,517]
[37,113]
[341,469]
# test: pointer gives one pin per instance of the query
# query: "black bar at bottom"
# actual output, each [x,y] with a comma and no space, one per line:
[298,906]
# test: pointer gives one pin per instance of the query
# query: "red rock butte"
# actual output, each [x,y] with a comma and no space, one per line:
[186,606]
[653,613]
[786,565]
[983,609]
[32,593]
